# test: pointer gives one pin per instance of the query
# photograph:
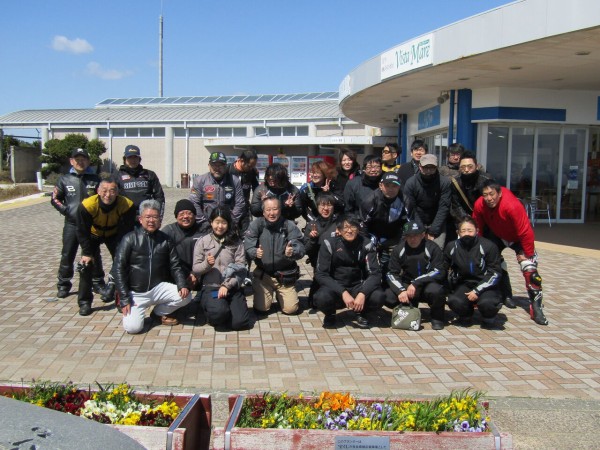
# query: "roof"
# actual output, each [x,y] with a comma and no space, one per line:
[130,111]
[541,44]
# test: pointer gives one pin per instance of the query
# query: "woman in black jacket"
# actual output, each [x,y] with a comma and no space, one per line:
[473,264]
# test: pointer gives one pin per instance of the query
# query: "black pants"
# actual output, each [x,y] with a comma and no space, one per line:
[434,294]
[85,295]
[70,245]
[489,302]
[328,301]
[231,311]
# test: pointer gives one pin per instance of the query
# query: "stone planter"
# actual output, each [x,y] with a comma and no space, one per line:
[189,431]
[232,437]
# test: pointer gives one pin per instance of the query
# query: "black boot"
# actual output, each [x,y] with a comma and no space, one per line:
[108,294]
[536,307]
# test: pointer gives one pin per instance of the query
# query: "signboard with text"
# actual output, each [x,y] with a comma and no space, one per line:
[408,56]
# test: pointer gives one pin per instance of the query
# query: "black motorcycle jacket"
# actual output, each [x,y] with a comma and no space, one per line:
[70,190]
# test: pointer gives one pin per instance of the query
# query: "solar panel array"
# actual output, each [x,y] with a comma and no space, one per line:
[265,98]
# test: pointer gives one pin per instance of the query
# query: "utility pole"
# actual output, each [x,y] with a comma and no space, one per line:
[160,52]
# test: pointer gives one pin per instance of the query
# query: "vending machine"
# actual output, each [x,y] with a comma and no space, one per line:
[298,170]
[262,161]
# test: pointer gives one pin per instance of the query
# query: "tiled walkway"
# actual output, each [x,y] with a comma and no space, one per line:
[41,339]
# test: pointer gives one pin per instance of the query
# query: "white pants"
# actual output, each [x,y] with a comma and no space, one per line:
[165,299]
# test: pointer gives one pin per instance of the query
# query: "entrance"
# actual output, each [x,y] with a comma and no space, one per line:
[592,204]
[541,164]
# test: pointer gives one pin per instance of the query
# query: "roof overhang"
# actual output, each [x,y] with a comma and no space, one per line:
[547,44]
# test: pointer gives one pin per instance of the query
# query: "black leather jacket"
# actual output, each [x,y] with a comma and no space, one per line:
[71,188]
[144,260]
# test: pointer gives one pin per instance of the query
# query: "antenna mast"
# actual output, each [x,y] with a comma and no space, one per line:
[160,52]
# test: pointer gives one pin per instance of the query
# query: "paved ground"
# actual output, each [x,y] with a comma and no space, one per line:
[544,381]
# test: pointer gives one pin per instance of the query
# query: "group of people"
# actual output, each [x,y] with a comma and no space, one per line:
[386,234]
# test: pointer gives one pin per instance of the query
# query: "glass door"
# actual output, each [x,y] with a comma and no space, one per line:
[573,168]
[592,204]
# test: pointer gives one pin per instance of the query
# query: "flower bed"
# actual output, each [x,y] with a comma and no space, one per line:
[335,420]
[154,420]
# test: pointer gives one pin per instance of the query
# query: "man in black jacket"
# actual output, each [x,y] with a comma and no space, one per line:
[349,274]
[427,198]
[383,214]
[71,188]
[184,233]
[361,186]
[410,168]
[245,169]
[137,183]
[416,273]
[145,263]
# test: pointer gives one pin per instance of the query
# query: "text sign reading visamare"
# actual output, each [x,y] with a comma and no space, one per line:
[408,56]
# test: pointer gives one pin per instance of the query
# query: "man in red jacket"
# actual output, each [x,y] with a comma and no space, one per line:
[503,214]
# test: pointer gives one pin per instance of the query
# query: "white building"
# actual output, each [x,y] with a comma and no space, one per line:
[177,134]
[518,84]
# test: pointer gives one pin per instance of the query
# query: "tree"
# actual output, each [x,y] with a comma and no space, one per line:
[57,152]
[8,141]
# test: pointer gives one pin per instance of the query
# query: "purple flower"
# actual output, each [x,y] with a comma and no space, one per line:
[465,425]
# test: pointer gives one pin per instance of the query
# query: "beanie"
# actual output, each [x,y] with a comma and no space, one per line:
[184,205]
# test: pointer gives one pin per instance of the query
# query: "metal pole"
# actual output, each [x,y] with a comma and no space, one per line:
[160,54]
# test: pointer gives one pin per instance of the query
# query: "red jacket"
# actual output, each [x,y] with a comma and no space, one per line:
[508,220]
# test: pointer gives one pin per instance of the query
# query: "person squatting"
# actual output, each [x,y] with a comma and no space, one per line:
[390,250]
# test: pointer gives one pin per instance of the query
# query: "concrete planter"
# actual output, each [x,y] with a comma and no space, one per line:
[232,437]
[189,431]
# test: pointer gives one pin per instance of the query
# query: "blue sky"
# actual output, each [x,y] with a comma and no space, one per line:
[76,53]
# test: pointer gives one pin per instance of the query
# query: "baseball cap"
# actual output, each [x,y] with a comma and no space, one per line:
[390,177]
[79,152]
[429,160]
[413,227]
[132,150]
[217,157]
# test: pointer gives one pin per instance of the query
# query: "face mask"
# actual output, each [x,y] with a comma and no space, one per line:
[468,240]
[469,177]
[371,180]
[428,177]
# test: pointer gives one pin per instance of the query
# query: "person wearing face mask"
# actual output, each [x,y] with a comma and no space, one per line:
[360,187]
[466,186]
[473,265]
[217,188]
[427,198]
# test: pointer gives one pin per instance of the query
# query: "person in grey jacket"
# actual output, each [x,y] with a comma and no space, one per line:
[145,263]
[274,244]
[220,261]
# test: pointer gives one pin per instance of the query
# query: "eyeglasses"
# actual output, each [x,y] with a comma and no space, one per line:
[348,227]
[373,167]
[387,152]
[467,166]
[151,217]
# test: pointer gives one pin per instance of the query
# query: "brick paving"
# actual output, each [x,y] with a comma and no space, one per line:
[41,339]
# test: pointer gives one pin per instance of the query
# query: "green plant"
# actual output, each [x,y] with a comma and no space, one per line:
[57,152]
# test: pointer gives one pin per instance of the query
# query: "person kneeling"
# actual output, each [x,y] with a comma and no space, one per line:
[146,259]
[474,266]
[220,260]
[416,273]
[348,273]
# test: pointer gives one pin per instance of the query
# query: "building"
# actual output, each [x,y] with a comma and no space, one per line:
[177,134]
[518,84]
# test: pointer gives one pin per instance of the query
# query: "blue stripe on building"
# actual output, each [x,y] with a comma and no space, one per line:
[512,113]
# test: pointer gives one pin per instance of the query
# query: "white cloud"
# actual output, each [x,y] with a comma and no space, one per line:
[77,45]
[96,70]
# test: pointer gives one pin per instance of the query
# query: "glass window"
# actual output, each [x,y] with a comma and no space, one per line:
[572,173]
[546,175]
[210,132]
[195,132]
[521,171]
[118,132]
[224,132]
[302,131]
[132,132]
[158,132]
[179,132]
[274,131]
[145,132]
[239,132]
[289,131]
[260,131]
[497,153]
[103,132]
